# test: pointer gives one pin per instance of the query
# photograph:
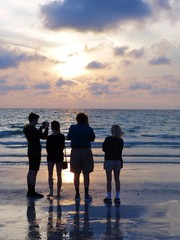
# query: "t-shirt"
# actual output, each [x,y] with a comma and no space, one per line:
[55,144]
[81,136]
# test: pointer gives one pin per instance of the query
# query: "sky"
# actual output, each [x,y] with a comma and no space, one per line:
[107,54]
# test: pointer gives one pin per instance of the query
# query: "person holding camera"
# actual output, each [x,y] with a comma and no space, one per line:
[33,136]
[55,145]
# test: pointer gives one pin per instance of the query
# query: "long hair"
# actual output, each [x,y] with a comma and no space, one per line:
[116,131]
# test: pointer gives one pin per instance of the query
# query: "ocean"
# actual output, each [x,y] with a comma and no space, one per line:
[151,136]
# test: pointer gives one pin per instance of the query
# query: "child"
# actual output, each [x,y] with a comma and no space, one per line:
[55,144]
[113,146]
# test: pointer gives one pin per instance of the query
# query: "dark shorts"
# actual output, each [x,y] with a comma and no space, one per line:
[81,160]
[112,165]
[34,161]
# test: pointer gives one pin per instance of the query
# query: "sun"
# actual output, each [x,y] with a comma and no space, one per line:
[73,67]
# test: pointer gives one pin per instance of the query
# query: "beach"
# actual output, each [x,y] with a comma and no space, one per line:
[150,206]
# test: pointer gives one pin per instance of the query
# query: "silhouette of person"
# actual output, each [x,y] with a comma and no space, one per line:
[113,146]
[81,159]
[55,144]
[33,137]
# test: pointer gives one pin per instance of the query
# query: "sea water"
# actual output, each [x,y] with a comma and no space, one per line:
[151,136]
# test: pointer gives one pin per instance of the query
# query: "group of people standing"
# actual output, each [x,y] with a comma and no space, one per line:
[81,158]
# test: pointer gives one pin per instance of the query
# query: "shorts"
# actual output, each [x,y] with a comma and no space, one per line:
[81,160]
[34,161]
[112,165]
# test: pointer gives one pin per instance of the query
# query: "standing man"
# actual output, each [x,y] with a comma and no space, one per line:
[81,136]
[33,136]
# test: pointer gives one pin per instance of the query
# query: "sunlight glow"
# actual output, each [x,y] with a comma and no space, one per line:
[67,176]
[72,60]
[71,68]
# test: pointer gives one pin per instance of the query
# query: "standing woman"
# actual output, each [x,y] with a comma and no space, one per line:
[81,135]
[55,145]
[113,146]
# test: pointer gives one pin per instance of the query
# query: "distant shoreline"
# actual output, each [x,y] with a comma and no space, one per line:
[118,109]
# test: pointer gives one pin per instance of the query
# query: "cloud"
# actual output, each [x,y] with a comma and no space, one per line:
[165,85]
[171,79]
[96,48]
[137,53]
[162,60]
[2,80]
[6,87]
[11,58]
[123,51]
[126,62]
[43,86]
[140,86]
[166,5]
[96,65]
[60,83]
[98,89]
[120,51]
[16,87]
[113,80]
[92,15]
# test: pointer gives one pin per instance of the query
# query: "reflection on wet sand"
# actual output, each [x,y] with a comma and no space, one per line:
[33,227]
[113,230]
[55,227]
[104,222]
[81,232]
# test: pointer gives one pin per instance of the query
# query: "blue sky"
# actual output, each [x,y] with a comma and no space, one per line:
[90,54]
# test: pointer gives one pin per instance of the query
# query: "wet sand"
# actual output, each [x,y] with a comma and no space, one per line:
[149,210]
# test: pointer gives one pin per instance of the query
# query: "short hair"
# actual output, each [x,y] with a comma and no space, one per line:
[82,118]
[55,125]
[33,116]
[116,131]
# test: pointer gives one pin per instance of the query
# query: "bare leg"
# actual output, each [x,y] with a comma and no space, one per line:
[31,177]
[117,180]
[86,180]
[76,180]
[109,180]
[59,178]
[86,183]
[50,177]
[31,182]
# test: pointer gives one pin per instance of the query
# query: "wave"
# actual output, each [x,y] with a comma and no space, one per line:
[101,155]
[9,134]
[161,136]
[98,145]
[44,163]
[152,144]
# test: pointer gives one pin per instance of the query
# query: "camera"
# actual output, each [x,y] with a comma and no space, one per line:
[45,124]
